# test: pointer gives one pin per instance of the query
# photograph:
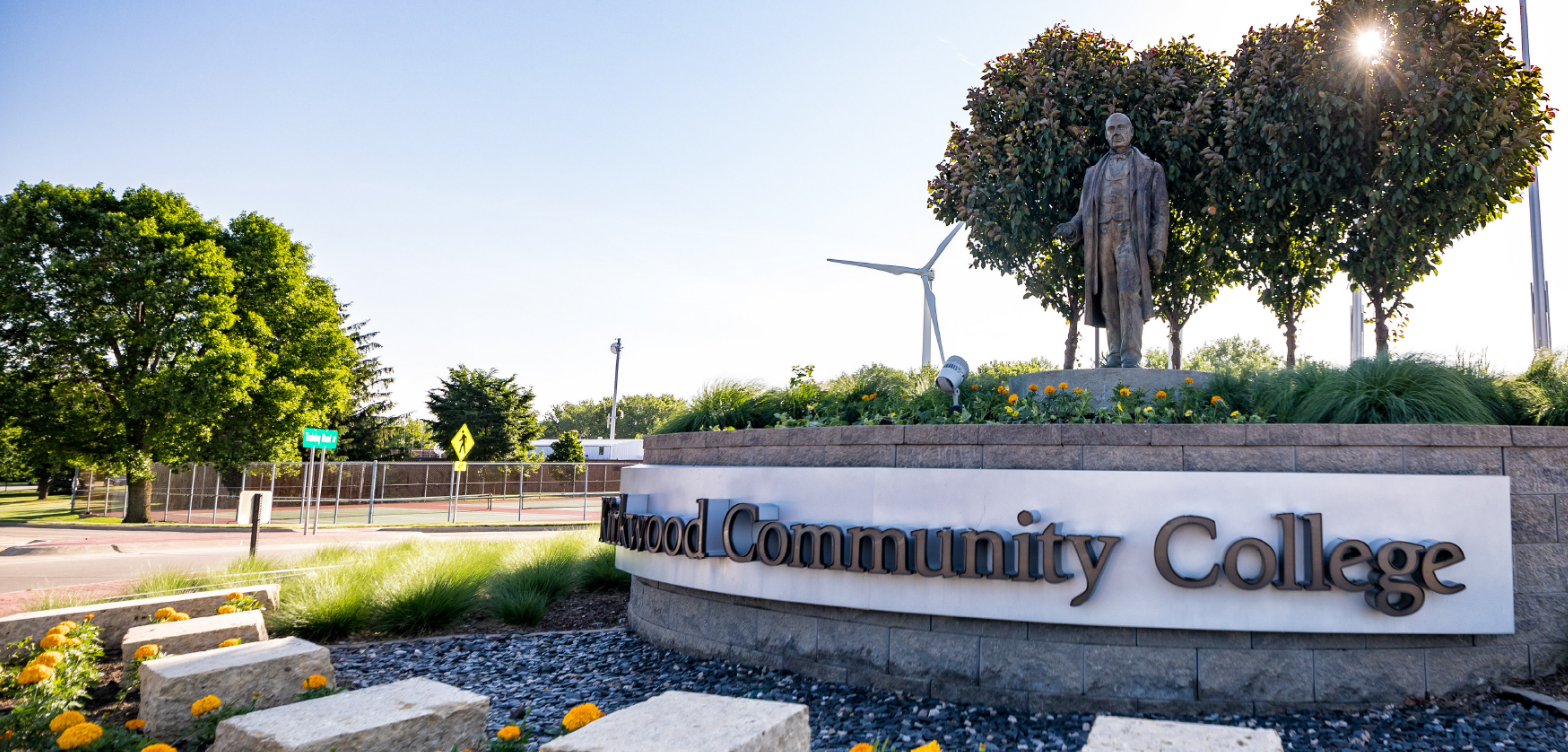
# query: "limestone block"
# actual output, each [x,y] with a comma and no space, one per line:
[276,669]
[1113,734]
[1368,676]
[195,635]
[1140,672]
[118,617]
[1534,518]
[413,715]
[691,722]
[941,656]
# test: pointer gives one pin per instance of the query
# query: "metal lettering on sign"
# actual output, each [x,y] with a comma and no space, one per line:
[1232,551]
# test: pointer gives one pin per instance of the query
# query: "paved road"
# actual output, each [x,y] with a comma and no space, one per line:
[37,556]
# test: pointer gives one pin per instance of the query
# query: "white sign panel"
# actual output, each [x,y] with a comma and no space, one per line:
[1280,552]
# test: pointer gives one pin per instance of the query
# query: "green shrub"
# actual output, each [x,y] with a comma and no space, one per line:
[567,448]
[435,588]
[546,570]
[1232,356]
[599,574]
[1540,394]
[723,403]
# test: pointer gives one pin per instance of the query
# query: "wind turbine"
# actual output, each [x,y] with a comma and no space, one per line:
[928,305]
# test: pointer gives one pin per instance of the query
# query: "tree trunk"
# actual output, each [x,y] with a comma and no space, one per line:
[1290,343]
[1175,358]
[1071,354]
[1379,324]
[138,499]
[45,480]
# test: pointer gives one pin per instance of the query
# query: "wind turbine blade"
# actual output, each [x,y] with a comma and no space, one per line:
[890,269]
[935,327]
[943,246]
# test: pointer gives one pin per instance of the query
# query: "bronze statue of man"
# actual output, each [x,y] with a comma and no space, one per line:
[1124,219]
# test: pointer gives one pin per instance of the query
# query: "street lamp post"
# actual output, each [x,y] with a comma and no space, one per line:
[1540,305]
[615,390]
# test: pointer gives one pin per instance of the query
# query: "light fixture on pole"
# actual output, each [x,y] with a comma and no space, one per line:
[615,390]
[1540,304]
[928,305]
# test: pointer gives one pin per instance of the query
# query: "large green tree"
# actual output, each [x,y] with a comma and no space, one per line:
[188,340]
[1036,124]
[498,413]
[639,415]
[1282,175]
[1439,129]
[365,426]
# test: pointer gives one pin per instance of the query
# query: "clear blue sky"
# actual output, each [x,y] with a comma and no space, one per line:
[513,185]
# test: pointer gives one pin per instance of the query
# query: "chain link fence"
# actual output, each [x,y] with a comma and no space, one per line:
[373,493]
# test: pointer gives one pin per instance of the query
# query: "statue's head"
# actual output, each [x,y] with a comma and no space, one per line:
[1118,131]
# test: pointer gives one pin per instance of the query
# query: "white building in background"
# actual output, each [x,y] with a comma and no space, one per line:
[601,449]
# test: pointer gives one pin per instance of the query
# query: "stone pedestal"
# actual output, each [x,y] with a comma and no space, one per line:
[115,619]
[414,715]
[691,722]
[276,669]
[195,635]
[1112,734]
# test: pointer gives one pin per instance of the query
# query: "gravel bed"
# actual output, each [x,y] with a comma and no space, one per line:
[550,673]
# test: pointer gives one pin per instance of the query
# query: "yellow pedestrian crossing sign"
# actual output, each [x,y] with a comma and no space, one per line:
[462,444]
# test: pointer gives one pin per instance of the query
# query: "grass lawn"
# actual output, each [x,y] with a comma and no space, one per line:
[24,506]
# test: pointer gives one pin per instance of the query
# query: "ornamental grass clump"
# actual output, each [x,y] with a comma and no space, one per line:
[437,588]
[538,576]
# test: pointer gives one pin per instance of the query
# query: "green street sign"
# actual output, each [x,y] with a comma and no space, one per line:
[319,438]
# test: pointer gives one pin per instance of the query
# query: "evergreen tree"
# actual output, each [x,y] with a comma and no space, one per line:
[365,427]
[567,448]
[498,413]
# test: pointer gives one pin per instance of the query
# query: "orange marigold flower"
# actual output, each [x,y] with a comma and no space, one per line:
[88,617]
[581,716]
[508,733]
[862,747]
[53,641]
[205,705]
[1062,386]
[931,747]
[1050,389]
[1125,392]
[1160,394]
[65,720]
[159,748]
[974,386]
[1216,399]
[315,681]
[182,616]
[164,613]
[49,658]
[228,610]
[1012,399]
[144,652]
[230,643]
[80,735]
[136,724]
[1189,379]
[1034,387]
[234,596]
[1077,390]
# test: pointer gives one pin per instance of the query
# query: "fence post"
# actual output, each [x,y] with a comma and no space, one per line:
[585,487]
[338,497]
[76,480]
[217,490]
[370,518]
[190,500]
[244,476]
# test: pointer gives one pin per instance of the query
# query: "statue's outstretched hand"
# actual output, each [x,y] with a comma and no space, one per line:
[1068,232]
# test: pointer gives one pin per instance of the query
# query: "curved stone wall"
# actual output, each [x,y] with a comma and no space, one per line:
[1051,667]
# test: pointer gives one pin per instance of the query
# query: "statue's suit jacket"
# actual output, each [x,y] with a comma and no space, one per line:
[1151,225]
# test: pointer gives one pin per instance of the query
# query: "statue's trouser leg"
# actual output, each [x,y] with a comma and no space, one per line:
[1110,302]
[1129,287]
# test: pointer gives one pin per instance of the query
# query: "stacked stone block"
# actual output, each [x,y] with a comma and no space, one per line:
[1053,667]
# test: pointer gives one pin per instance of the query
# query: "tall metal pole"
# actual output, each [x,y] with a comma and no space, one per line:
[615,390]
[1540,304]
[1358,327]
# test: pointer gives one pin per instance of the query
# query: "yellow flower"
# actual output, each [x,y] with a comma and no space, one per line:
[146,651]
[1034,387]
[862,747]
[163,613]
[88,617]
[73,642]
[159,748]
[1077,390]
[1235,413]
[230,643]
[1012,399]
[136,724]
[865,397]
[65,720]
[79,735]
[53,641]
[182,616]
[931,747]
[205,705]
[508,733]
[1148,410]
[234,596]
[1125,392]
[51,659]
[228,610]
[35,673]
[581,716]
[1189,379]
[1160,394]
[1216,399]
[1050,390]
[315,681]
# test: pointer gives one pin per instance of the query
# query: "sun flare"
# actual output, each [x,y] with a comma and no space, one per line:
[1369,43]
